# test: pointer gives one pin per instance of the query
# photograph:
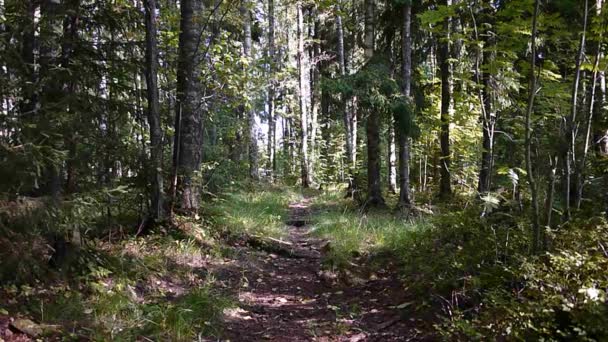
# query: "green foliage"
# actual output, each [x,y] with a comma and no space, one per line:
[479,271]
[374,85]
[404,115]
[560,295]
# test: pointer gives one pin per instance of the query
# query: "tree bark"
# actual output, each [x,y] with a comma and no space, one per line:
[315,86]
[348,117]
[248,108]
[189,120]
[445,185]
[391,159]
[51,90]
[304,97]
[572,125]
[403,139]
[272,161]
[29,101]
[533,88]
[580,171]
[488,116]
[154,119]
[374,189]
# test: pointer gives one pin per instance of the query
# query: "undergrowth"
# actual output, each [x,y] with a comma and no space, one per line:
[261,210]
[113,285]
[477,271]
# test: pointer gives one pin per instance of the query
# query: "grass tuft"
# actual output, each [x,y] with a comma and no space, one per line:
[262,211]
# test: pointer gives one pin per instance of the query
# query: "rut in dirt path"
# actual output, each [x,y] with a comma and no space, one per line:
[289,298]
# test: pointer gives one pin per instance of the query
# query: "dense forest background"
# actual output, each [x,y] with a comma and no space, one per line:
[477,129]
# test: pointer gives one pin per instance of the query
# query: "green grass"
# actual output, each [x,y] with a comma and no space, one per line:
[120,317]
[352,233]
[261,211]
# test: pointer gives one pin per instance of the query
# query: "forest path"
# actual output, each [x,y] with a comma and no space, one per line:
[289,297]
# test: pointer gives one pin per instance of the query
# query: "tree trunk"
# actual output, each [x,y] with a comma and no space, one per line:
[315,90]
[248,107]
[348,116]
[51,91]
[533,88]
[272,162]
[403,139]
[445,185]
[29,101]
[572,125]
[303,71]
[189,120]
[374,189]
[550,191]
[369,34]
[391,159]
[329,163]
[154,119]
[580,173]
[488,117]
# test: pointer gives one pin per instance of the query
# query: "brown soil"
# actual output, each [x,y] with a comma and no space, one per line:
[292,298]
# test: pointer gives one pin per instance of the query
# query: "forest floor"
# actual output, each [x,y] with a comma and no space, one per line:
[261,264]
[286,294]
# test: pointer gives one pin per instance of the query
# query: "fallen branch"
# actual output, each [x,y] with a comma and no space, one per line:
[275,246]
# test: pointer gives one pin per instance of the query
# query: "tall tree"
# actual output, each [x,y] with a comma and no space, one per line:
[349,117]
[303,97]
[532,90]
[154,119]
[403,139]
[391,159]
[70,40]
[374,189]
[443,59]
[189,118]
[272,161]
[595,104]
[29,99]
[248,107]
[571,120]
[51,91]
[484,78]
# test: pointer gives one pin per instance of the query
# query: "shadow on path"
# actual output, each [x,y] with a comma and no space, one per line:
[282,298]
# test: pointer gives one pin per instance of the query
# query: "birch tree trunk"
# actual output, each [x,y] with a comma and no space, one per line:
[304,97]
[391,159]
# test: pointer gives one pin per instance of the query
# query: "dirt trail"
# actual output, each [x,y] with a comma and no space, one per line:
[288,296]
